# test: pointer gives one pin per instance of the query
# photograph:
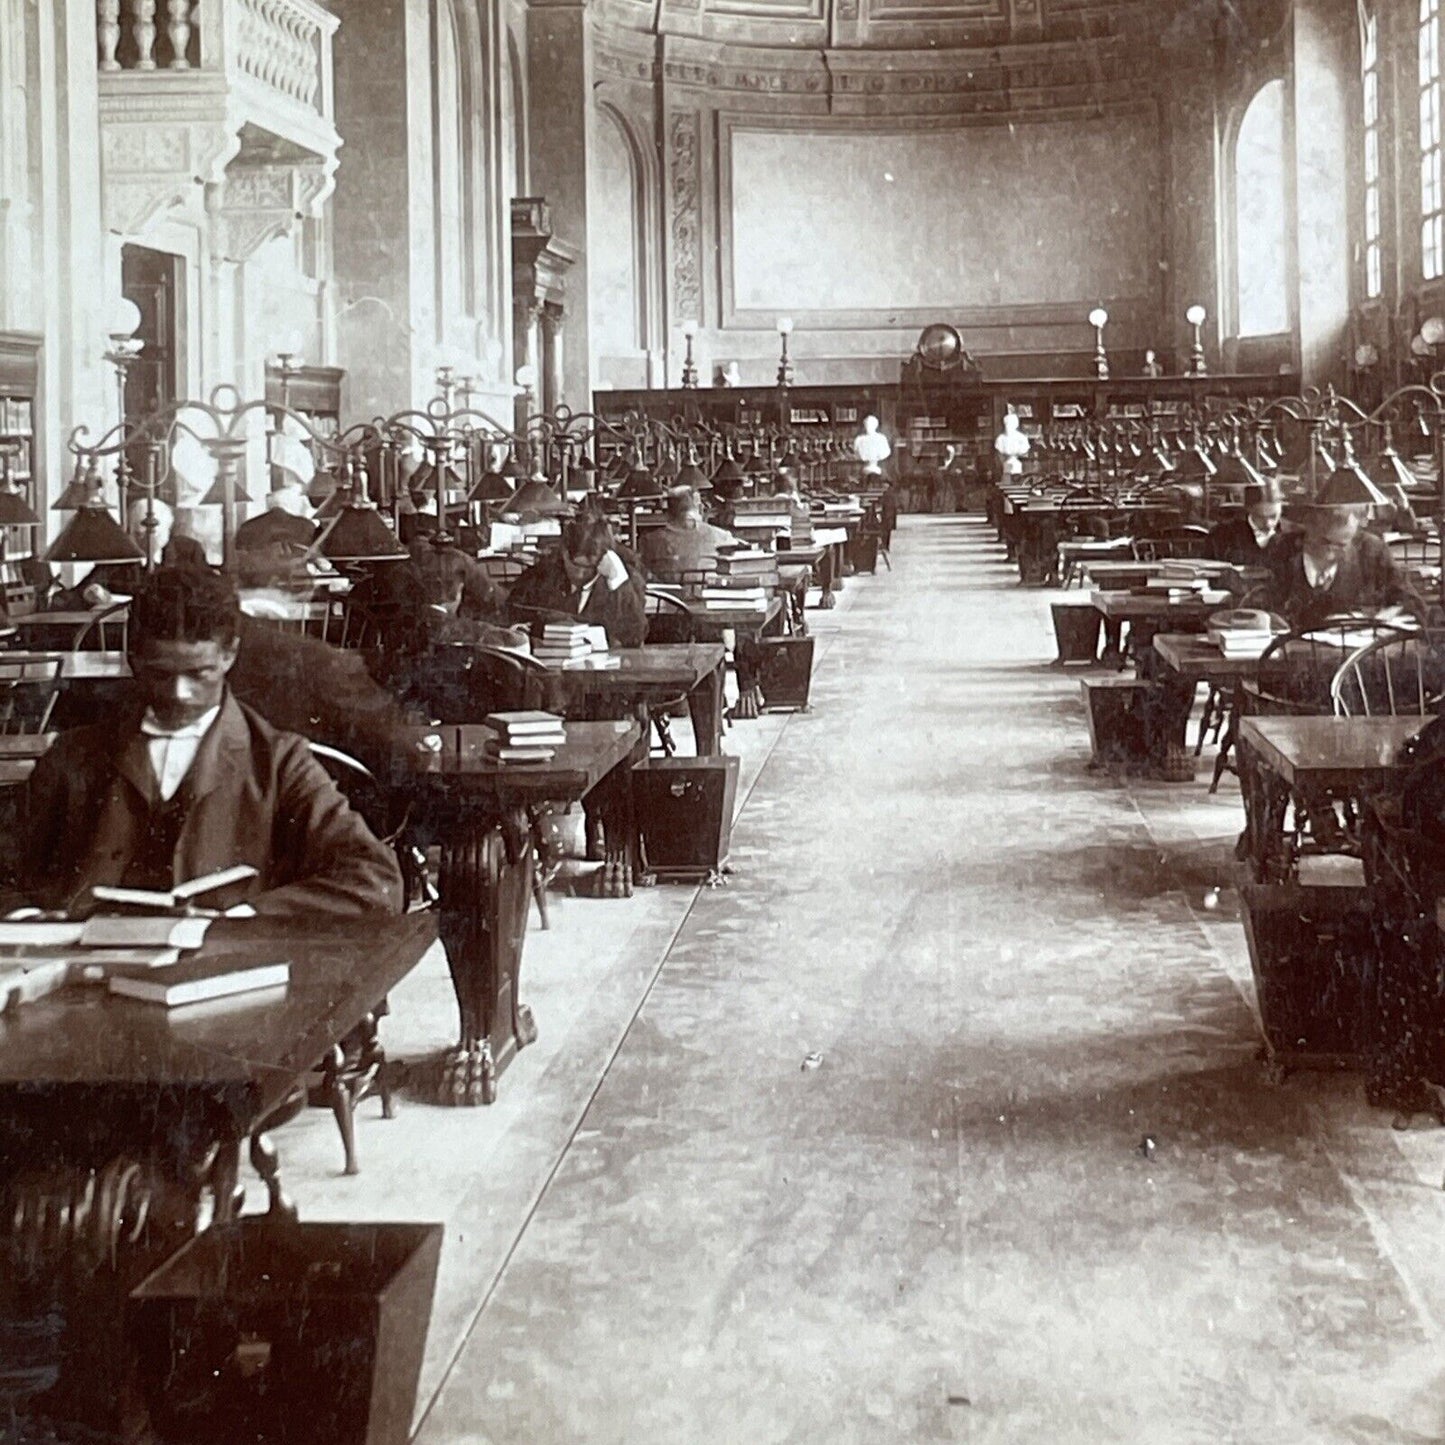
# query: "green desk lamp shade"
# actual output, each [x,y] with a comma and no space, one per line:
[692,475]
[1349,486]
[82,490]
[424,479]
[729,473]
[1236,470]
[640,483]
[15,511]
[216,497]
[359,535]
[536,498]
[93,535]
[335,502]
[493,487]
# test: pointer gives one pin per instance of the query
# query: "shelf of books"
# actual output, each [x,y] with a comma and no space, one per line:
[19,379]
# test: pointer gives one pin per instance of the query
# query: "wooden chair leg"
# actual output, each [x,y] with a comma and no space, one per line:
[539,894]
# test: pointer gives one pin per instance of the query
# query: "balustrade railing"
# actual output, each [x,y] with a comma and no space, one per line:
[284,45]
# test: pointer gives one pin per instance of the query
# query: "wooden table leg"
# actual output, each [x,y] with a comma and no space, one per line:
[486,891]
[613,801]
[747,661]
[705,704]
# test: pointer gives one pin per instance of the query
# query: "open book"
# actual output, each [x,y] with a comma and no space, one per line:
[179,896]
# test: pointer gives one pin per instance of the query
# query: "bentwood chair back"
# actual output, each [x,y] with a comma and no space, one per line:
[1297,670]
[504,570]
[28,690]
[669,618]
[107,631]
[1399,676]
[1186,541]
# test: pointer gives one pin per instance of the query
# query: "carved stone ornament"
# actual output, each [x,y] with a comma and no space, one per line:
[683,149]
[150,165]
[257,203]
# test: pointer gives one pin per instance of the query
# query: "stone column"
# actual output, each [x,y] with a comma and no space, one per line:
[382,206]
[553,368]
[559,69]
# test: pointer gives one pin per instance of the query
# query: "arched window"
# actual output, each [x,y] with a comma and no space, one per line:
[1260,216]
[1370,113]
[1432,202]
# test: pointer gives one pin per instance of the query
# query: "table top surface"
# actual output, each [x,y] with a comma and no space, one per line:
[78,666]
[243,1053]
[1191,654]
[24,745]
[671,664]
[461,764]
[704,615]
[1137,604]
[1343,748]
[64,618]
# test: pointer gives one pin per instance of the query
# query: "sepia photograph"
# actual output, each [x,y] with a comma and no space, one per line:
[721,722]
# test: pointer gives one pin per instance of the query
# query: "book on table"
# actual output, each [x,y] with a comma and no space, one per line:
[519,724]
[179,896]
[198,979]
[163,931]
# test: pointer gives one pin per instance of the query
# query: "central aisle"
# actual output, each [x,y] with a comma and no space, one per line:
[947,1230]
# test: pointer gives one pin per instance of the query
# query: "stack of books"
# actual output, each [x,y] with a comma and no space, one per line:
[720,597]
[1241,641]
[562,642]
[525,737]
[746,562]
[765,516]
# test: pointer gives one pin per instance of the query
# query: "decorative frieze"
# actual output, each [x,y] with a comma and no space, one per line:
[684,160]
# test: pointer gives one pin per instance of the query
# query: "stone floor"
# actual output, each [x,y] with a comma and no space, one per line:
[853,1148]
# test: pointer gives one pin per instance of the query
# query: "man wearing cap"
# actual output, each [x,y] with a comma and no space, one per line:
[1332,566]
[1244,541]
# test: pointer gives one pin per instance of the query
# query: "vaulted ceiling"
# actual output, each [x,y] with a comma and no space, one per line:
[1183,28]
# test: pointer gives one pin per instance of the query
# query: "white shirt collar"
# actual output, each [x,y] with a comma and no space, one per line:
[1262,534]
[198,729]
[1318,577]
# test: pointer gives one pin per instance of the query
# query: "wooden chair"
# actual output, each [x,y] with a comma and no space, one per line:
[107,631]
[1393,676]
[357,1067]
[28,691]
[504,570]
[669,620]
[1183,541]
[462,684]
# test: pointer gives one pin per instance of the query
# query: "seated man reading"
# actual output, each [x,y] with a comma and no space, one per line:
[685,543]
[1246,541]
[1332,566]
[584,580]
[191,781]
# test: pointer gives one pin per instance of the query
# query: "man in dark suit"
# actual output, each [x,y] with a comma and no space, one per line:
[685,542]
[1245,541]
[191,781]
[587,579]
[1331,566]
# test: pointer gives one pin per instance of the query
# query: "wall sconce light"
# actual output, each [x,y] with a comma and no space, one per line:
[785,367]
[689,365]
[1195,317]
[526,378]
[1432,331]
[1099,319]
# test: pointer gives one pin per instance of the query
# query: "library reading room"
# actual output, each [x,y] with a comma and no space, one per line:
[721,722]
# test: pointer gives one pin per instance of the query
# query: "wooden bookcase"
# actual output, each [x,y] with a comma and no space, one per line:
[19,427]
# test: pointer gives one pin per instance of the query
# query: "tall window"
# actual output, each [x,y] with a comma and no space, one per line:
[1432,201]
[1370,78]
[1260,222]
